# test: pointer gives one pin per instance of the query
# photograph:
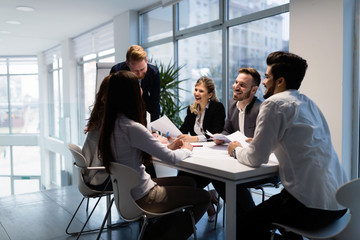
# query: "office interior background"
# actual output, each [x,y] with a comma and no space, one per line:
[48,87]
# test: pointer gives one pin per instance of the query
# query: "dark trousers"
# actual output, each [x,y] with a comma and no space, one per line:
[170,193]
[255,223]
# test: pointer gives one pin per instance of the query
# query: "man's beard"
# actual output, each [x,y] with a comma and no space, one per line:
[242,96]
[269,92]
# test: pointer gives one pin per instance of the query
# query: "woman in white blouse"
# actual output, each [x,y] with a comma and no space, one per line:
[125,139]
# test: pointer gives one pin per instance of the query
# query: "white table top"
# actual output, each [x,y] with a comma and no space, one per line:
[214,161]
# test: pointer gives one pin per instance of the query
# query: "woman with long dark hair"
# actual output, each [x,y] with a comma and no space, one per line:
[96,179]
[125,139]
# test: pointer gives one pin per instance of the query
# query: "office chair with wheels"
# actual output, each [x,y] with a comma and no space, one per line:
[345,228]
[87,192]
[124,179]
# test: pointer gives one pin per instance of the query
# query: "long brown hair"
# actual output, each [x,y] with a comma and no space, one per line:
[210,87]
[123,97]
[97,113]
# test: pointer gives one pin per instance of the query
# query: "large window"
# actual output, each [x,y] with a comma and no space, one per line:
[194,13]
[56,104]
[201,56]
[250,43]
[87,67]
[239,8]
[19,99]
[20,166]
[90,48]
[215,38]
[157,24]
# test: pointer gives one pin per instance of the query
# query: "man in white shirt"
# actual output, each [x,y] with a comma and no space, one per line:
[291,126]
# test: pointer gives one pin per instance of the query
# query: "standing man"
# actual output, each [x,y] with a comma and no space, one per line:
[291,126]
[148,75]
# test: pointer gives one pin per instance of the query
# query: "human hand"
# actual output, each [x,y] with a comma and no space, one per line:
[187,146]
[188,138]
[176,144]
[161,138]
[248,140]
[218,142]
[232,146]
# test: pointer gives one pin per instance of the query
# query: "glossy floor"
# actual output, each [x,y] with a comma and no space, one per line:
[44,216]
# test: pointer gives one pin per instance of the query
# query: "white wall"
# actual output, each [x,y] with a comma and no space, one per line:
[125,33]
[317,33]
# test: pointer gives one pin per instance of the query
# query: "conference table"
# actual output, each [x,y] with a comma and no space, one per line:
[213,161]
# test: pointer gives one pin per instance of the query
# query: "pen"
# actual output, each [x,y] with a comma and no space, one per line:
[197,145]
[167,134]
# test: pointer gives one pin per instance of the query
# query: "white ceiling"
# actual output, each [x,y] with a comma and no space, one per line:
[54,21]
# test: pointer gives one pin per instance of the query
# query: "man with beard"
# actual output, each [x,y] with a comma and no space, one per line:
[291,126]
[148,75]
[242,113]
[244,107]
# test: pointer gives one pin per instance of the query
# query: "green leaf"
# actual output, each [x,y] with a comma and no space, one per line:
[170,104]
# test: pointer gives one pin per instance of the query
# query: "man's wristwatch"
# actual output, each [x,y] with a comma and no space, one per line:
[233,153]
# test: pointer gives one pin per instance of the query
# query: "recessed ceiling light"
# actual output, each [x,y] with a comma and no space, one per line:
[4,32]
[13,22]
[25,8]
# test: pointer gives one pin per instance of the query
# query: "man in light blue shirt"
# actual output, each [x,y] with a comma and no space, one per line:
[291,126]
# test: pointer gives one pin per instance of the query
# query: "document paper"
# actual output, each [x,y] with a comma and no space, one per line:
[165,125]
[236,136]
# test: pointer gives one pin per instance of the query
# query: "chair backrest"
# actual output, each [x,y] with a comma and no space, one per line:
[81,164]
[348,195]
[79,158]
[123,180]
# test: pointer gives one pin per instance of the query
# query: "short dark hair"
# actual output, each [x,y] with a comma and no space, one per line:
[289,66]
[255,74]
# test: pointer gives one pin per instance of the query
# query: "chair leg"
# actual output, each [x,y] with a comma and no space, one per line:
[144,224]
[193,223]
[273,233]
[87,220]
[217,212]
[67,228]
[263,194]
[87,205]
[105,218]
[224,207]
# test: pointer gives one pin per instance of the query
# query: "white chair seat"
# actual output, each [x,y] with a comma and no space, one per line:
[87,192]
[124,179]
[345,228]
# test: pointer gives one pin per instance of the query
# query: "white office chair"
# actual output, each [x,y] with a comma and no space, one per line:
[124,179]
[345,228]
[87,192]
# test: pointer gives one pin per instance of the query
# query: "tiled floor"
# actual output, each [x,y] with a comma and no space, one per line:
[45,215]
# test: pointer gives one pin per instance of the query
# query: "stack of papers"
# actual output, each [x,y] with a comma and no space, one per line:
[236,136]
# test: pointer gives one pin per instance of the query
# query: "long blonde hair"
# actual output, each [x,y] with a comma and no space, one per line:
[210,87]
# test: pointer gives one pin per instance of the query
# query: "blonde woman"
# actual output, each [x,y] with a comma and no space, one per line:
[206,113]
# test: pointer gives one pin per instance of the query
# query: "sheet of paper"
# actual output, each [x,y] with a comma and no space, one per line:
[236,136]
[166,126]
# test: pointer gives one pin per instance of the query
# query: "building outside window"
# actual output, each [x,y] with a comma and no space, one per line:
[20,166]
[215,38]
